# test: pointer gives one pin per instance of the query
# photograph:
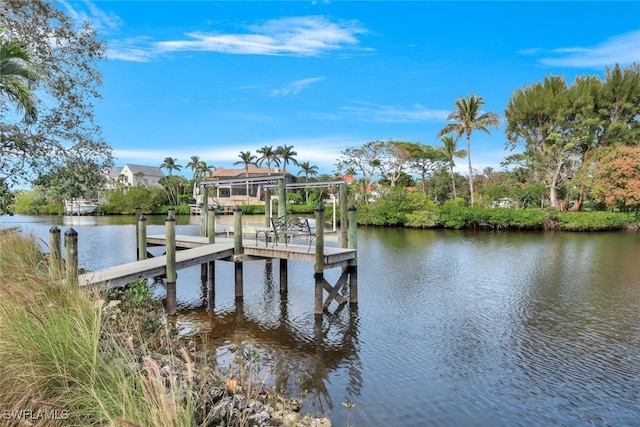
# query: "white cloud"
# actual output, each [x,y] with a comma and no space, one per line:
[623,49]
[295,87]
[293,36]
[391,114]
[99,19]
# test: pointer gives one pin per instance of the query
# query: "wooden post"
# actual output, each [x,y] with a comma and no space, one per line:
[319,261]
[204,212]
[71,245]
[138,211]
[353,264]
[142,237]
[238,249]
[55,257]
[267,207]
[172,276]
[211,224]
[343,215]
[282,198]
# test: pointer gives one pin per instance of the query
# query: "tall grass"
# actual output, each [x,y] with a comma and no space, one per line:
[60,367]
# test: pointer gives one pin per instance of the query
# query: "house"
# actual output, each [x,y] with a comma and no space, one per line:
[134,175]
[231,194]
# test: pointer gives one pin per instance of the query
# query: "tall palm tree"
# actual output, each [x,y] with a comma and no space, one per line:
[307,169]
[285,155]
[469,117]
[268,155]
[170,165]
[16,78]
[193,164]
[450,152]
[247,159]
[203,169]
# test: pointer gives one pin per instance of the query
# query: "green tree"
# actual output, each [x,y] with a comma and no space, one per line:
[286,155]
[75,180]
[308,170]
[267,155]
[66,56]
[539,117]
[194,164]
[203,169]
[17,78]
[364,160]
[423,160]
[247,159]
[469,117]
[170,164]
[451,153]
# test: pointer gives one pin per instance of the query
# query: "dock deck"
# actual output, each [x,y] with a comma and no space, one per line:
[195,250]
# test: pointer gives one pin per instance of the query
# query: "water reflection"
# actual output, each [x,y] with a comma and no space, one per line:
[300,355]
[452,328]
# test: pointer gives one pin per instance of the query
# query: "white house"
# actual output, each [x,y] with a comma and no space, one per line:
[134,175]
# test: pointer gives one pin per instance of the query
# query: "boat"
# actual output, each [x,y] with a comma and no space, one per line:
[79,207]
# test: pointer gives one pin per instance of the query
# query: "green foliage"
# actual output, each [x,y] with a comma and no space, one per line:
[595,221]
[393,208]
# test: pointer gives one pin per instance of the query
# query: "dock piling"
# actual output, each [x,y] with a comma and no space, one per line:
[71,245]
[55,256]
[142,237]
[172,277]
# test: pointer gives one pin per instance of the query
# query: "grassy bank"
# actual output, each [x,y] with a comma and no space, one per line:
[71,357]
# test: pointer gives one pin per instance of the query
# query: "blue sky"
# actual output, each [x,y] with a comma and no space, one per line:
[213,78]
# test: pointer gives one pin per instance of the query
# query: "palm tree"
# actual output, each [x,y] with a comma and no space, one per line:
[193,164]
[16,78]
[203,169]
[269,155]
[170,165]
[286,154]
[450,152]
[469,118]
[307,169]
[247,159]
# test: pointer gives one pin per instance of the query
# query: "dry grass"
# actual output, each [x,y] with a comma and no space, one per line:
[58,370]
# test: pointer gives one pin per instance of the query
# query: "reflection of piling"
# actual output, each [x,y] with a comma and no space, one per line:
[238,250]
[172,277]
[142,237]
[319,261]
[71,245]
[353,264]
[211,265]
[55,257]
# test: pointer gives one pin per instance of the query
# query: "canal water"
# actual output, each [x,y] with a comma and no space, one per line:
[453,328]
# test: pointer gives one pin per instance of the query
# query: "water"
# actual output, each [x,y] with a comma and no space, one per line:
[452,328]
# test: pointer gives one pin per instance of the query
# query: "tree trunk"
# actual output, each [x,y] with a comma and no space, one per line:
[470,168]
[453,182]
[579,204]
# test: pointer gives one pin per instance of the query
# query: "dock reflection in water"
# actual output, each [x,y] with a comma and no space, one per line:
[297,355]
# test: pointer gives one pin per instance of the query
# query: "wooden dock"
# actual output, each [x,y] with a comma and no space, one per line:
[184,251]
[196,250]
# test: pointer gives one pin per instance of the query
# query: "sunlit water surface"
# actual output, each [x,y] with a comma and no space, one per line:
[452,328]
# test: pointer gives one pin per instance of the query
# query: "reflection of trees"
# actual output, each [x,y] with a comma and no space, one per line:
[299,356]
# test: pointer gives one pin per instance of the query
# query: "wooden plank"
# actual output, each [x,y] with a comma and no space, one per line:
[122,274]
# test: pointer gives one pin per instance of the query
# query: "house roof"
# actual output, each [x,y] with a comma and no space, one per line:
[241,172]
[148,171]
